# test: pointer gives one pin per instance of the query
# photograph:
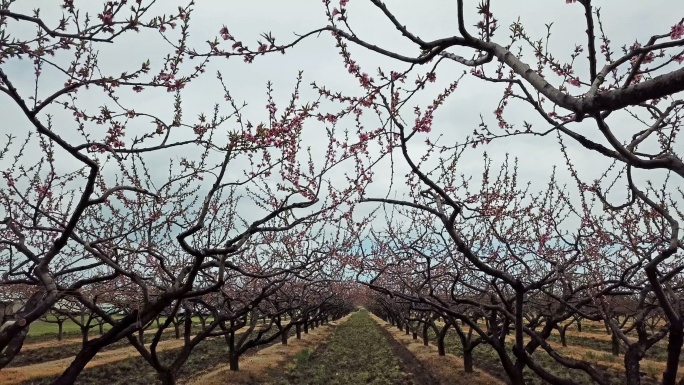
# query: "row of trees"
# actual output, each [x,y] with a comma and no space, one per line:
[117,212]
[505,263]
[166,211]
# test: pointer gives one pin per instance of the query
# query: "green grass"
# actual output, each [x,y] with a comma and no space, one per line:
[357,353]
[69,327]
[302,356]
[41,328]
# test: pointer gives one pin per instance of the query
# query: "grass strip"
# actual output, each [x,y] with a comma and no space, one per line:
[357,353]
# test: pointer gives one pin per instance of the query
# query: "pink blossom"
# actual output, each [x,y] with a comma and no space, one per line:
[164,76]
[107,18]
[343,3]
[574,81]
[225,34]
[43,191]
[8,178]
[677,31]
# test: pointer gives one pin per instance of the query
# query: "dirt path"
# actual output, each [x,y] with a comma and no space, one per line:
[15,375]
[447,370]
[255,368]
[50,344]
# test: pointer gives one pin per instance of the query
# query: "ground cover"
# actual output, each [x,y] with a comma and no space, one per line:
[357,353]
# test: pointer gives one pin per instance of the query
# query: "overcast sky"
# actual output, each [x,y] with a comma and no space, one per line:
[623,21]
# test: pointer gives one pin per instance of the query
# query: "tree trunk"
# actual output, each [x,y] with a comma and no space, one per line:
[561,331]
[298,329]
[84,334]
[234,362]
[101,327]
[415,335]
[615,345]
[579,326]
[633,355]
[60,330]
[141,335]
[674,350]
[440,342]
[407,329]
[426,336]
[68,377]
[283,337]
[306,327]
[176,327]
[468,360]
[167,378]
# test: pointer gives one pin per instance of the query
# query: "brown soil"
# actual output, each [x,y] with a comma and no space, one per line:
[51,344]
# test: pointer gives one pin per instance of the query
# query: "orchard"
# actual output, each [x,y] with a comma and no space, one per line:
[186,184]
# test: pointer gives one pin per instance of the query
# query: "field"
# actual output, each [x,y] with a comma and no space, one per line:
[357,349]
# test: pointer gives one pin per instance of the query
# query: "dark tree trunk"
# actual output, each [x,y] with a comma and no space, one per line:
[579,326]
[298,330]
[306,327]
[633,355]
[141,335]
[561,331]
[167,377]
[615,345]
[407,329]
[415,335]
[234,362]
[176,328]
[60,330]
[233,358]
[426,336]
[468,360]
[674,350]
[86,354]
[283,337]
[440,342]
[101,326]
[84,334]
